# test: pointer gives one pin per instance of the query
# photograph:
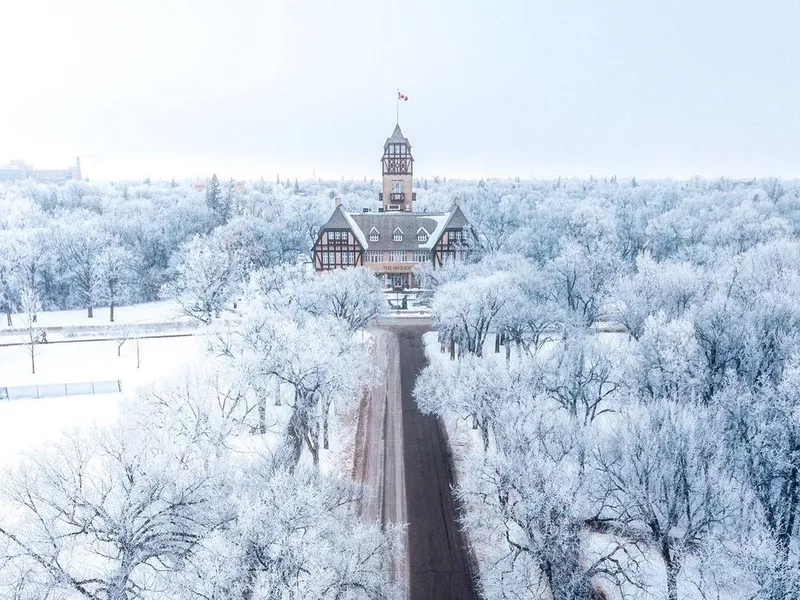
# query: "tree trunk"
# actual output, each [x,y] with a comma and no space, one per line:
[672,565]
[33,361]
[294,439]
[485,435]
[8,318]
[312,443]
[497,343]
[508,351]
[278,400]
[90,310]
[262,414]
[792,504]
[138,361]
[452,349]
[111,312]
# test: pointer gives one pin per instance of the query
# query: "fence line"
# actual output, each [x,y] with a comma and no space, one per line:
[52,390]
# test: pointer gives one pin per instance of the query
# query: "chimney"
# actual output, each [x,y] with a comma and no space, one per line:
[457,201]
[337,202]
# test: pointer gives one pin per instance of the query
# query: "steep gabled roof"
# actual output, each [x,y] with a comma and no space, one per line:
[362,239]
[386,223]
[341,220]
[338,220]
[457,218]
[397,137]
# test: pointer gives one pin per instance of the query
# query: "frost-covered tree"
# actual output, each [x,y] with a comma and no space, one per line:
[8,287]
[666,362]
[465,311]
[579,376]
[524,515]
[352,295]
[30,252]
[116,272]
[763,434]
[472,388]
[207,275]
[668,287]
[581,280]
[30,306]
[105,517]
[80,247]
[318,359]
[660,475]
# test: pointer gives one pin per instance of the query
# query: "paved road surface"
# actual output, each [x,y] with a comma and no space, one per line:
[403,458]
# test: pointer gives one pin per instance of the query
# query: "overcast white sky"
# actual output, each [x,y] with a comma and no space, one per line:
[166,88]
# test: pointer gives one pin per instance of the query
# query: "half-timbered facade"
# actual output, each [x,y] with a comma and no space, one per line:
[394,240]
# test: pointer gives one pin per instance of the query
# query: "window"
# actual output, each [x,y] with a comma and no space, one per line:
[422,256]
[328,258]
[374,236]
[422,235]
[397,187]
[348,258]
[374,256]
[397,236]
[337,237]
[397,256]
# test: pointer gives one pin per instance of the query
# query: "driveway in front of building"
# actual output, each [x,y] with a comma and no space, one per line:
[404,460]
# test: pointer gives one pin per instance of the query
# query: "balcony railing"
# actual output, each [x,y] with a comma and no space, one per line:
[397,197]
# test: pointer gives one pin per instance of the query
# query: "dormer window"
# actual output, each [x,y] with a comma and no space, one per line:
[397,236]
[422,235]
[374,236]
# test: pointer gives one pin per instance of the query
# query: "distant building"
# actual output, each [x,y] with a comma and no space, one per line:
[394,240]
[18,170]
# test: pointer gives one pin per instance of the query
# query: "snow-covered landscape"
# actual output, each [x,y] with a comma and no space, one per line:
[364,300]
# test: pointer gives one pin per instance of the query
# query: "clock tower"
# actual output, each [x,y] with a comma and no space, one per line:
[398,169]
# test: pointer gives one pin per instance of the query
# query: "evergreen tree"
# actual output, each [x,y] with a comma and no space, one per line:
[213,195]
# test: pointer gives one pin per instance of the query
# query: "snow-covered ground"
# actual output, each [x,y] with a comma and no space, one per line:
[150,312]
[98,361]
[25,424]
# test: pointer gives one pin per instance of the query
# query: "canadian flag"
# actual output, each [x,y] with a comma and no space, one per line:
[402,96]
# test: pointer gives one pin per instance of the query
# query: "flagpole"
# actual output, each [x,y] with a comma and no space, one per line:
[397,108]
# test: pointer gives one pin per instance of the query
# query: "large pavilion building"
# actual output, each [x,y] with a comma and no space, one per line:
[394,240]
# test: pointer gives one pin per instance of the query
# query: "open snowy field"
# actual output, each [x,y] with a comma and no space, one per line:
[98,361]
[149,312]
[25,424]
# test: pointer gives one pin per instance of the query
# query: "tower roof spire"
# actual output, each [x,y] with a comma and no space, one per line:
[397,137]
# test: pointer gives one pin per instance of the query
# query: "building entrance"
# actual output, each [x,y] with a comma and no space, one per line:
[398,280]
